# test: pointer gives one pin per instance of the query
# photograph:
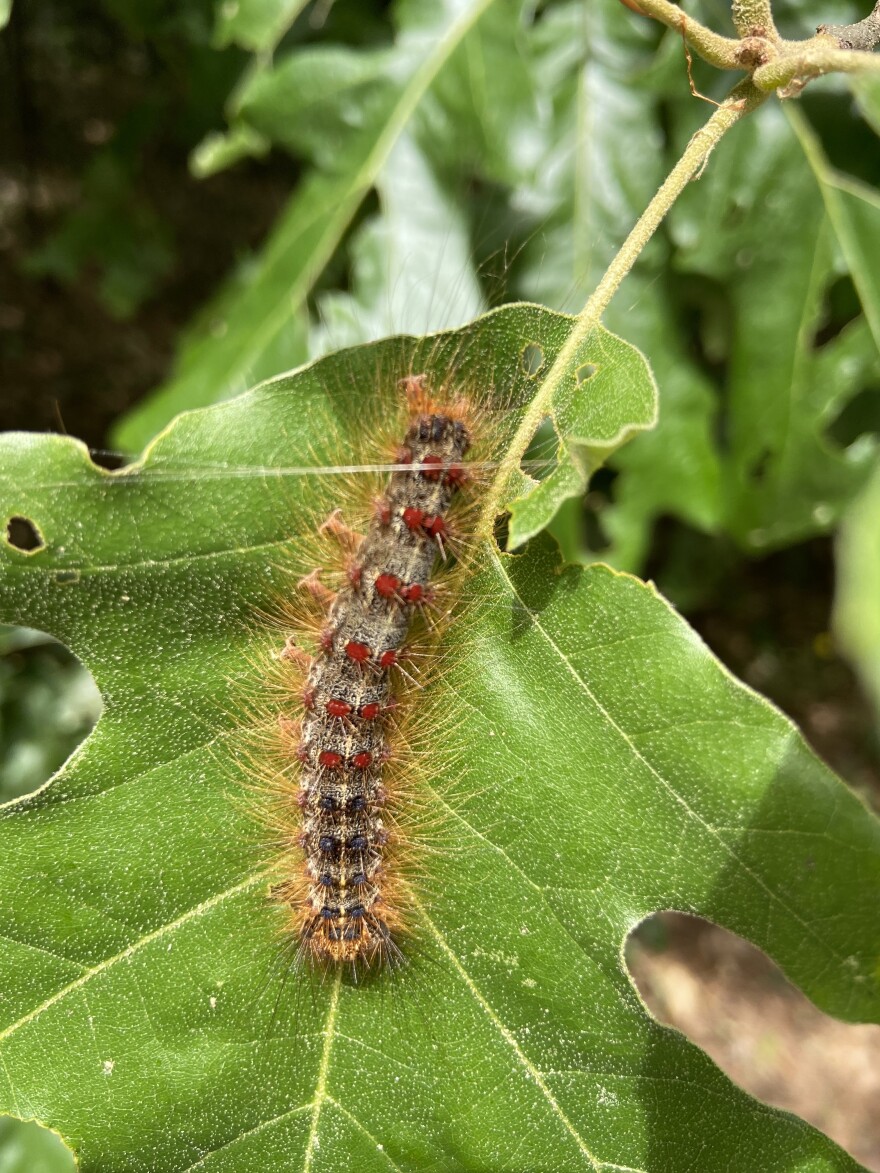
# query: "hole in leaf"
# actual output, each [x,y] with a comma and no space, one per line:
[540,456]
[585,372]
[49,703]
[22,534]
[532,359]
[501,530]
[840,306]
[578,525]
[595,504]
[27,1146]
[859,417]
[109,460]
[759,466]
[734,1003]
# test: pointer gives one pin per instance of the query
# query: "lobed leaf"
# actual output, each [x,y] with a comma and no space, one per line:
[756,225]
[256,25]
[594,764]
[258,325]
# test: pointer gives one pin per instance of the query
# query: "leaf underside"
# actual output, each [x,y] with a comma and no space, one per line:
[594,764]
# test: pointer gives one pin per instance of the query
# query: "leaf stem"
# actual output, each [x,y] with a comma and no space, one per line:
[813,59]
[753,18]
[742,99]
[717,50]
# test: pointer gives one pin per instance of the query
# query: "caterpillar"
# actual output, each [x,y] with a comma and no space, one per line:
[341,893]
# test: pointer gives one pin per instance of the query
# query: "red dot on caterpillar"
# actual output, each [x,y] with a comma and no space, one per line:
[357,651]
[362,760]
[329,759]
[412,517]
[414,593]
[432,467]
[370,711]
[337,708]
[387,585]
[389,658]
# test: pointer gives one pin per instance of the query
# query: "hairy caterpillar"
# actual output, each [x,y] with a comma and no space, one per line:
[336,814]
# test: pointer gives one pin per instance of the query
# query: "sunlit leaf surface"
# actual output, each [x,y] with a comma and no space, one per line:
[594,764]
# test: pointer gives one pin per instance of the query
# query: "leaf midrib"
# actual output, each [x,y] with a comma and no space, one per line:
[135,947]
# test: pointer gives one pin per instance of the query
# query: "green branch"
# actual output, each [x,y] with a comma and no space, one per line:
[809,59]
[712,47]
[753,18]
[775,64]
[742,100]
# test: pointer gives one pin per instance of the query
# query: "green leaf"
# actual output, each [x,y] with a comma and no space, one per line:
[605,384]
[857,598]
[5,12]
[257,25]
[594,194]
[593,763]
[321,100]
[854,211]
[756,226]
[218,151]
[412,269]
[27,1148]
[481,117]
[867,92]
[254,319]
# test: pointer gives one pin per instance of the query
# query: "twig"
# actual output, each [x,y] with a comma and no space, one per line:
[753,18]
[817,57]
[742,100]
[865,34]
[717,50]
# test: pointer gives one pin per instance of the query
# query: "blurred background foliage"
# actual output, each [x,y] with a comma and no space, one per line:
[198,195]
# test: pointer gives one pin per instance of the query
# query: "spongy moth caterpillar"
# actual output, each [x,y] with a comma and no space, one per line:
[340,895]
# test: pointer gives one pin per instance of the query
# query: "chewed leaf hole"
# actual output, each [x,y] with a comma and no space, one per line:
[760,466]
[734,1003]
[27,1145]
[840,306]
[22,534]
[112,461]
[49,703]
[541,455]
[859,417]
[501,529]
[584,372]
[532,359]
